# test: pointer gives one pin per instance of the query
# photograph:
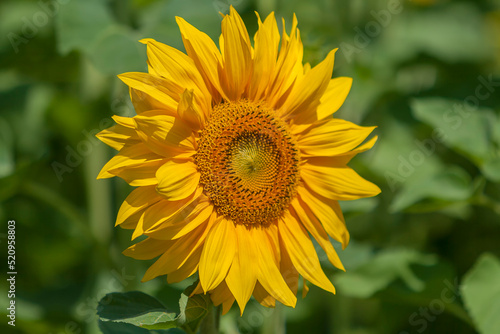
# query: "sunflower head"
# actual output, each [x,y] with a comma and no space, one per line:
[238,163]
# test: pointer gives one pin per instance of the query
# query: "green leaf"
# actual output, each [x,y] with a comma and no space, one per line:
[154,320]
[463,130]
[108,327]
[383,269]
[193,309]
[400,159]
[442,189]
[481,293]
[123,305]
[356,255]
[117,311]
[491,169]
[112,48]
[79,23]
[433,33]
[135,308]
[116,50]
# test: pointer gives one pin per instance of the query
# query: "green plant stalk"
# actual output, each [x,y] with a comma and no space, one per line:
[98,195]
[276,323]
[211,322]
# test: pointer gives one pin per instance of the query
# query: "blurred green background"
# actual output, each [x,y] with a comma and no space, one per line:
[424,255]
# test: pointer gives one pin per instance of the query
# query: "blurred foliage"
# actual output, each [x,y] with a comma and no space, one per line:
[424,255]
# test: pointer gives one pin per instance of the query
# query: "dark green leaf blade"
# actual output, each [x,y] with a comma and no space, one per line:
[193,310]
[134,308]
[481,293]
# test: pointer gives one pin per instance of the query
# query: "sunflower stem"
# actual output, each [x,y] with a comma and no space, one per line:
[276,323]
[210,324]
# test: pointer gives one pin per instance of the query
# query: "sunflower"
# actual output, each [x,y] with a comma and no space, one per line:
[237,163]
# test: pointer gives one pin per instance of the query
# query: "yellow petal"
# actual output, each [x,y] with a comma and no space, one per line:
[305,97]
[297,129]
[338,183]
[307,67]
[203,51]
[165,135]
[118,136]
[218,254]
[166,92]
[328,212]
[269,274]
[135,203]
[226,305]
[302,253]
[304,215]
[176,66]
[334,96]
[189,268]
[288,66]
[143,102]
[288,270]
[140,175]
[184,221]
[177,180]
[266,42]
[221,294]
[242,275]
[132,221]
[197,290]
[332,137]
[152,70]
[176,256]
[305,288]
[158,214]
[136,156]
[344,158]
[189,112]
[139,229]
[263,297]
[147,249]
[127,122]
[237,55]
[221,47]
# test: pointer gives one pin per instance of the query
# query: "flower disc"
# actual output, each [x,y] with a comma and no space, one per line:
[248,162]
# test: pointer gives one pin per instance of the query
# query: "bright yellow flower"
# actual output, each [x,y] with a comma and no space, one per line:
[238,162]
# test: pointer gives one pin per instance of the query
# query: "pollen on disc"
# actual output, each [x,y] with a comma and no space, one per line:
[248,161]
